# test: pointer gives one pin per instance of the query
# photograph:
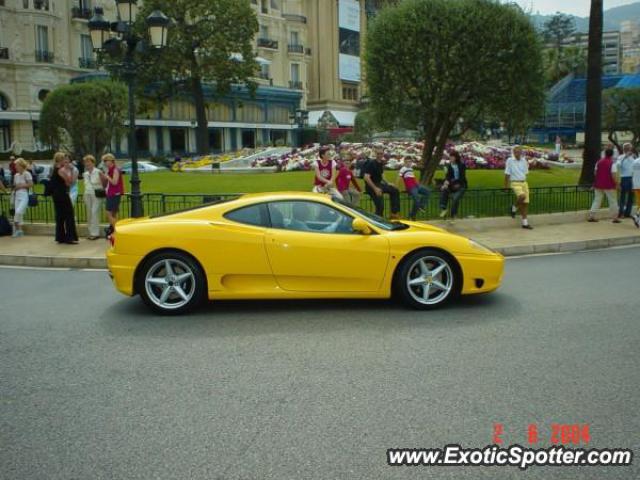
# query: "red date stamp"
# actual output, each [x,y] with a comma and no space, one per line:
[557,434]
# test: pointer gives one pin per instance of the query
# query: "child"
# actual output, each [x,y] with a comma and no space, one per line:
[420,193]
[346,182]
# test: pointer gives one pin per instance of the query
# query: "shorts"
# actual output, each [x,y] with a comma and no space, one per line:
[521,188]
[113,204]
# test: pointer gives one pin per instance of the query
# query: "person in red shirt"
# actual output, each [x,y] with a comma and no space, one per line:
[325,178]
[346,182]
[605,184]
[419,193]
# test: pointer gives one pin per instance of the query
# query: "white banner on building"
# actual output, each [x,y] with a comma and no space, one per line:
[349,68]
[349,15]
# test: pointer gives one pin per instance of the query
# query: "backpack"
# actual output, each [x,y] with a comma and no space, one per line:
[5,226]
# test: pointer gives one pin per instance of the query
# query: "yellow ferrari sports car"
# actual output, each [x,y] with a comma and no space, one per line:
[293,246]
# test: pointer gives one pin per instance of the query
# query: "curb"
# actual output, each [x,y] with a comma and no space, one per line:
[512,251]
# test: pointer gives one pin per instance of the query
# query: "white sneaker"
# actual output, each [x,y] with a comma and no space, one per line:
[636,220]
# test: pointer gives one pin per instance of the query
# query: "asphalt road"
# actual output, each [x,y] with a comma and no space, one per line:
[93,386]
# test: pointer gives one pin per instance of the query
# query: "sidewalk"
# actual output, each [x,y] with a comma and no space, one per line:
[553,233]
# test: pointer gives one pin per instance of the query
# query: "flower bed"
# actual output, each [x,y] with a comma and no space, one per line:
[475,156]
[194,163]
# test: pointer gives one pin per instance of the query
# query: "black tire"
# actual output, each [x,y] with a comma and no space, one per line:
[185,283]
[411,269]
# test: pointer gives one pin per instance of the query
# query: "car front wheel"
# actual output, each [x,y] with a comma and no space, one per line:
[427,279]
[171,283]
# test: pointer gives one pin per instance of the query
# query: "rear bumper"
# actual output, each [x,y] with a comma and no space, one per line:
[121,270]
[482,273]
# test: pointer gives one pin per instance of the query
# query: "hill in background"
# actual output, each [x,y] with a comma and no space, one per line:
[613,17]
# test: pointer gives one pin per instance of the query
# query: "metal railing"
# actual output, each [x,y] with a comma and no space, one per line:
[295,48]
[85,62]
[475,203]
[268,43]
[294,18]
[44,56]
[82,13]
[295,84]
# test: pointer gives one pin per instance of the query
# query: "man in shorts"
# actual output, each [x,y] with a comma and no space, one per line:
[515,177]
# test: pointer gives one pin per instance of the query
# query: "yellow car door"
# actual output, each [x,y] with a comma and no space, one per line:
[312,248]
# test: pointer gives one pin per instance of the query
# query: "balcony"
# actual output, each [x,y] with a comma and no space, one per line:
[296,49]
[4,53]
[295,85]
[44,56]
[81,13]
[268,43]
[294,18]
[89,63]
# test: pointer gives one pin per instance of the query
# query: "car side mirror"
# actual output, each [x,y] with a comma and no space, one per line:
[360,226]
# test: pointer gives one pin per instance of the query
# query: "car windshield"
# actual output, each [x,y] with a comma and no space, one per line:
[373,218]
[208,201]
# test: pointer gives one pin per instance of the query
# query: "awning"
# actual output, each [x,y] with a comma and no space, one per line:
[239,58]
[344,119]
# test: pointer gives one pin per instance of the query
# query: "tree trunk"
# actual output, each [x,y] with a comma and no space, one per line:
[613,138]
[593,123]
[202,129]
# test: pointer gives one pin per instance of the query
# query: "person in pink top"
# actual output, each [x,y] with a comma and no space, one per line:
[114,190]
[325,178]
[605,184]
[346,182]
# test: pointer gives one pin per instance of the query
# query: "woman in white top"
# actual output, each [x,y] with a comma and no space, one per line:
[92,182]
[22,183]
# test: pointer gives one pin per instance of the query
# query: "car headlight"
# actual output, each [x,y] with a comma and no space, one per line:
[478,246]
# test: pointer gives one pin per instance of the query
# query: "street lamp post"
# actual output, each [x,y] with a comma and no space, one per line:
[299,118]
[125,38]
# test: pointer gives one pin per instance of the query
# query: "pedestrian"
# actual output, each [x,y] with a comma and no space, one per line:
[419,193]
[12,165]
[22,184]
[75,173]
[33,170]
[325,177]
[61,179]
[636,190]
[515,177]
[376,186]
[558,145]
[624,165]
[93,195]
[114,190]
[346,182]
[454,185]
[605,184]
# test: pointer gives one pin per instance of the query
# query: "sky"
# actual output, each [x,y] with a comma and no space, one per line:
[574,7]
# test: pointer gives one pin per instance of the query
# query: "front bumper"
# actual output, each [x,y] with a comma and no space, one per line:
[482,273]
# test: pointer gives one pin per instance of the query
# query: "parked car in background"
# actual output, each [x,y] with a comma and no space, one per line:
[143,167]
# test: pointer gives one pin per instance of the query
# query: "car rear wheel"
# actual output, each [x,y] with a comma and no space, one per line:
[171,283]
[427,279]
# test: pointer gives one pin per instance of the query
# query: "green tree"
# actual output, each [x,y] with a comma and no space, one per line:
[555,31]
[210,41]
[559,63]
[621,112]
[458,59]
[593,116]
[83,118]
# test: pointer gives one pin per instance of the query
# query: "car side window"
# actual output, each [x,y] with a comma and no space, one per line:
[252,215]
[303,216]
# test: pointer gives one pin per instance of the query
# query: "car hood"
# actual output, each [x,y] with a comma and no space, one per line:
[419,226]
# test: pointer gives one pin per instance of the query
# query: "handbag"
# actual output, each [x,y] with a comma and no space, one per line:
[100,193]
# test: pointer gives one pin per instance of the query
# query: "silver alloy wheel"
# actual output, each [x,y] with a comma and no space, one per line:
[430,280]
[170,283]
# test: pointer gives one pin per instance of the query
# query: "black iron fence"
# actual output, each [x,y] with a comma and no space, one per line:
[475,203]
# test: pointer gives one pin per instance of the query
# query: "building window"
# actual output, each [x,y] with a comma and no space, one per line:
[86,52]
[4,102]
[274,5]
[264,31]
[42,94]
[350,92]
[177,137]
[295,38]
[264,6]
[142,139]
[41,4]
[42,38]
[264,71]
[215,140]
[5,135]
[25,3]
